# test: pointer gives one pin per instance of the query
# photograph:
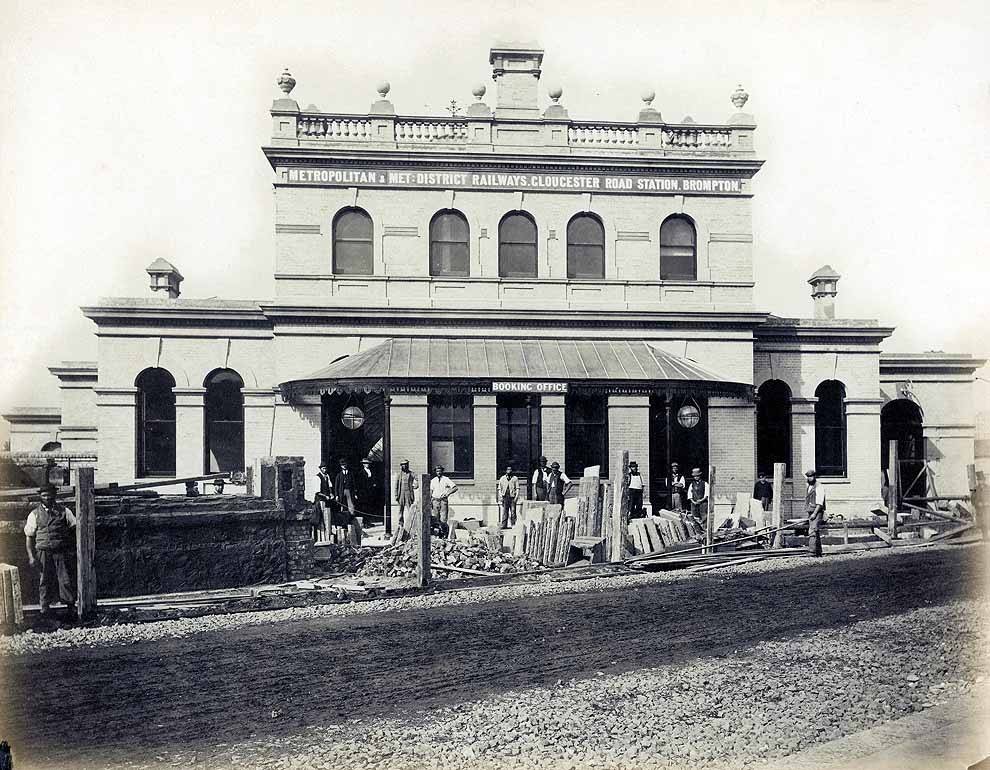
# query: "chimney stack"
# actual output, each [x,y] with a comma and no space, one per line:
[516,72]
[823,291]
[164,277]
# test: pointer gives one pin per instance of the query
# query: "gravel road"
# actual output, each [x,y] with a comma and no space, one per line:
[749,662]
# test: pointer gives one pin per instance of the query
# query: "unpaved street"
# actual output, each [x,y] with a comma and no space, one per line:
[122,705]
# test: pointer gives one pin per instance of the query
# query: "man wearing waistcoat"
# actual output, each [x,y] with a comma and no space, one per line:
[323,500]
[814,506]
[507,492]
[698,491]
[50,538]
[540,480]
[406,485]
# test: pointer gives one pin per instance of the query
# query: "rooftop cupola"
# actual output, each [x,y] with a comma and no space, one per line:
[823,290]
[516,72]
[164,277]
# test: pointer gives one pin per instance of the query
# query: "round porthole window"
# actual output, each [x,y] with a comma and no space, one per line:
[688,416]
[352,418]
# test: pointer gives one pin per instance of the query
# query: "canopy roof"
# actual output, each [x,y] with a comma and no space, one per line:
[405,360]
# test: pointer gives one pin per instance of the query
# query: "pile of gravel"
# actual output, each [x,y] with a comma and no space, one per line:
[741,710]
[550,583]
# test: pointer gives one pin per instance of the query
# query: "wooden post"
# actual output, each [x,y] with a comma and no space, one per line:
[894,477]
[387,452]
[710,528]
[777,516]
[85,544]
[977,496]
[422,535]
[620,510]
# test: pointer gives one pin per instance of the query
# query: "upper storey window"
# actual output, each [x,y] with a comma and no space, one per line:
[517,246]
[585,247]
[450,247]
[678,249]
[353,243]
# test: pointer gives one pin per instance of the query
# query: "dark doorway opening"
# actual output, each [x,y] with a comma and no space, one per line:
[902,421]
[518,435]
[687,445]
[353,430]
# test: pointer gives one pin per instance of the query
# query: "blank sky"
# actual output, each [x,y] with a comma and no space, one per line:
[132,131]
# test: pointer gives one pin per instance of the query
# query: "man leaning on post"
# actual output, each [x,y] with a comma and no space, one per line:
[50,537]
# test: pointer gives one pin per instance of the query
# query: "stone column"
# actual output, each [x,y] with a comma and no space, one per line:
[552,428]
[409,431]
[485,469]
[863,452]
[259,411]
[115,416]
[802,450]
[731,449]
[190,431]
[629,428]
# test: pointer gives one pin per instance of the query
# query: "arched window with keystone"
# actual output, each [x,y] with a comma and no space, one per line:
[450,244]
[517,246]
[678,249]
[353,243]
[585,247]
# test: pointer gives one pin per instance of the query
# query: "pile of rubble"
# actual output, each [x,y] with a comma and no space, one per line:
[400,560]
[344,557]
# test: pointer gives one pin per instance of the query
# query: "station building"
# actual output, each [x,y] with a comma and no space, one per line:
[482,289]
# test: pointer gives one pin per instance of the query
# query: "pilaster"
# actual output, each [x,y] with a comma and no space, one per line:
[629,429]
[552,428]
[802,436]
[115,414]
[190,431]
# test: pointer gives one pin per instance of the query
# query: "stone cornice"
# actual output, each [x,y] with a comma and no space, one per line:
[902,364]
[506,162]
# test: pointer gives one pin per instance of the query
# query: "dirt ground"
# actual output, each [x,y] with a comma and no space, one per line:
[105,706]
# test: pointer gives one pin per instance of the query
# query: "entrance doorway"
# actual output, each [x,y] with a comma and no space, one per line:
[686,424]
[353,427]
[901,420]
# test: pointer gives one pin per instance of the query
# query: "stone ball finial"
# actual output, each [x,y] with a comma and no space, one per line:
[740,97]
[479,91]
[383,88]
[648,95]
[555,92]
[286,82]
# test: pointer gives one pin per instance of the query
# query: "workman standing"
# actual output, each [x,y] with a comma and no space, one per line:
[677,486]
[635,492]
[441,488]
[345,488]
[406,485]
[557,485]
[540,480]
[507,491]
[814,506]
[369,489]
[763,491]
[698,491]
[50,538]
[323,499]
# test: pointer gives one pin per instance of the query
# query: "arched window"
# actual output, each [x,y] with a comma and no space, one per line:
[224,421]
[353,243]
[155,423]
[678,249]
[585,247]
[450,244]
[830,429]
[517,246]
[51,446]
[773,426]
[901,420]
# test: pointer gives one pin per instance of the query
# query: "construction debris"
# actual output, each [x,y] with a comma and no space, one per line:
[400,560]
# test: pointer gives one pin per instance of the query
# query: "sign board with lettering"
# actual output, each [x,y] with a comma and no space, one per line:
[529,387]
[643,183]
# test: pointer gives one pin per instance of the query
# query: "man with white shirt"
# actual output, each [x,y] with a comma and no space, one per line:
[698,491]
[50,538]
[507,492]
[635,492]
[441,488]
[557,485]
[814,506]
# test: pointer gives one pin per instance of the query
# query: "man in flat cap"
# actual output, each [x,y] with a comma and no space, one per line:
[814,506]
[50,537]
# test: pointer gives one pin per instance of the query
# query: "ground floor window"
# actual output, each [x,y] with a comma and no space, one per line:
[451,434]
[773,427]
[830,429]
[585,433]
[224,422]
[155,423]
[518,433]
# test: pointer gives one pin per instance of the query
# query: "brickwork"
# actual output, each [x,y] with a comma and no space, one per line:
[552,429]
[629,429]
[731,449]
[297,432]
[189,431]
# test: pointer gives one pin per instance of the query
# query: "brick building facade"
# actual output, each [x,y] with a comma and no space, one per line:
[515,232]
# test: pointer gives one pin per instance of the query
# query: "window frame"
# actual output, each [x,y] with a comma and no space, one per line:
[335,240]
[571,426]
[525,215]
[572,274]
[505,426]
[694,249]
[827,469]
[142,423]
[435,420]
[211,381]
[436,273]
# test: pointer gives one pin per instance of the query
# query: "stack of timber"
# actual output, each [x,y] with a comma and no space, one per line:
[658,533]
[697,561]
[548,534]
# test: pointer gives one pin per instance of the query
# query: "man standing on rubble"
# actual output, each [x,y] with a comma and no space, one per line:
[50,539]
[507,491]
[540,480]
[814,506]
[635,492]
[441,488]
[406,485]
[698,491]
[323,499]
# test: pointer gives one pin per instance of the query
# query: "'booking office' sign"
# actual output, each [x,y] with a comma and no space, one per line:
[529,387]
